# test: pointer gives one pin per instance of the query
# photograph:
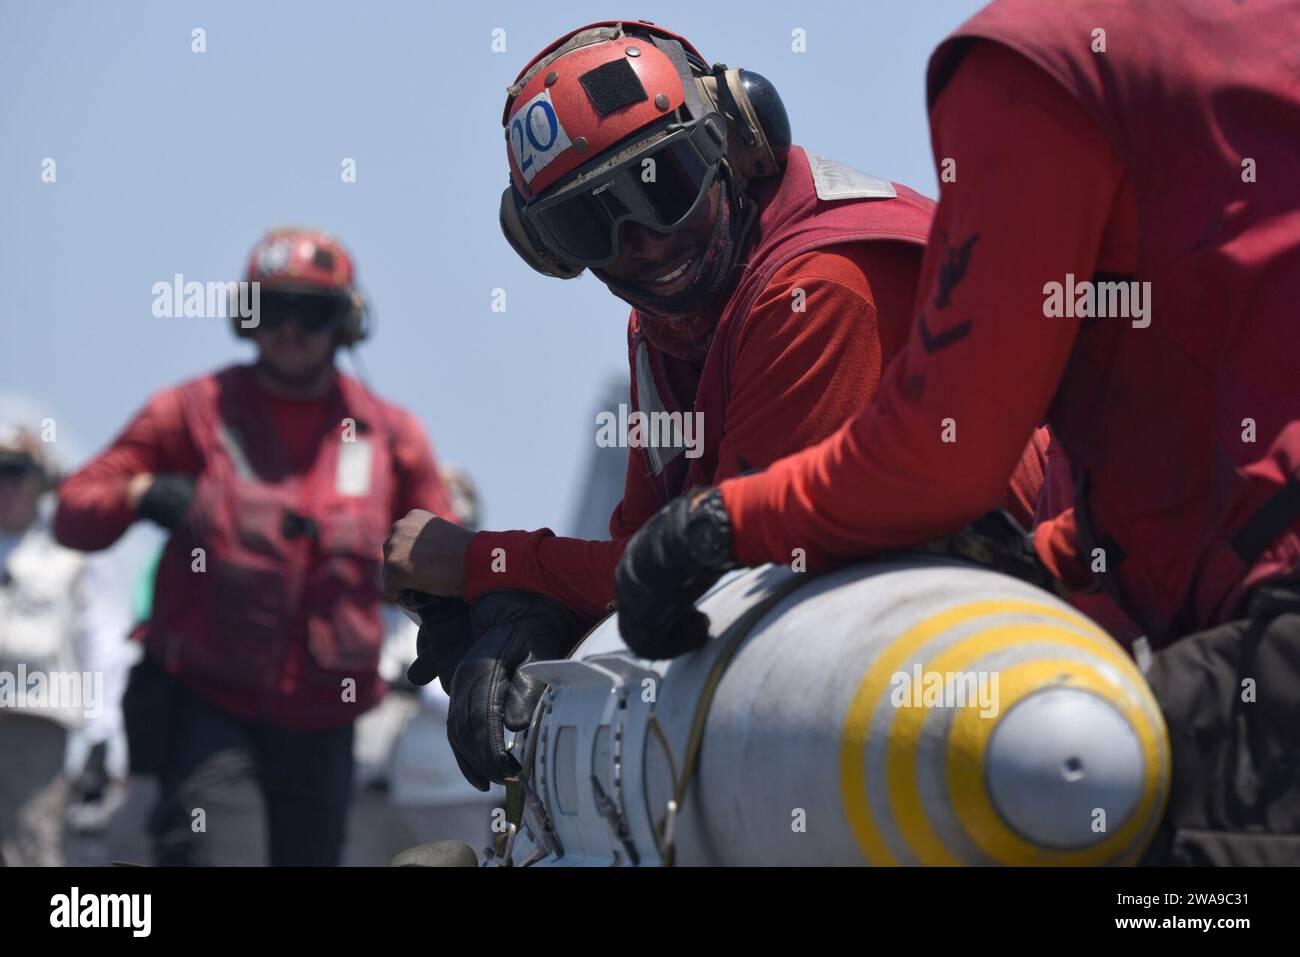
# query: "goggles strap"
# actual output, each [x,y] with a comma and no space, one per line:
[673,50]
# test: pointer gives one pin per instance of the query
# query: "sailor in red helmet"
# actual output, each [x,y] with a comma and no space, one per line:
[769,285]
[277,482]
[1136,154]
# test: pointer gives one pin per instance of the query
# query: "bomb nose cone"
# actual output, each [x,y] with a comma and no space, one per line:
[1064,768]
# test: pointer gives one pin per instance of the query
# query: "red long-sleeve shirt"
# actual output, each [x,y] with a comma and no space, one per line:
[797,378]
[93,511]
[1038,193]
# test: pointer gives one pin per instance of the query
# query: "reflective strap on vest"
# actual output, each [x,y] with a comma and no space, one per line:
[1275,516]
[649,401]
[230,441]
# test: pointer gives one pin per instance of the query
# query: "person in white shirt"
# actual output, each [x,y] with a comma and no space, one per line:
[52,624]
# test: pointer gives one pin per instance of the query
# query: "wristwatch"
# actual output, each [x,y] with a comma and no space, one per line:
[708,532]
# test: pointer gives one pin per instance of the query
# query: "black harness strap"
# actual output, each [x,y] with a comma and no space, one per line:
[1275,516]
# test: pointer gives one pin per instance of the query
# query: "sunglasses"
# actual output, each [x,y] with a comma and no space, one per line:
[15,470]
[660,187]
[313,313]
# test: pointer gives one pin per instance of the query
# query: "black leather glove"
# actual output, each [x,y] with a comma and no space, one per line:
[669,563]
[167,500]
[998,542]
[511,629]
[444,637]
[90,784]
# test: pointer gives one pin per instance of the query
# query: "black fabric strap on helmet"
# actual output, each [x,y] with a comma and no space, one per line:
[673,50]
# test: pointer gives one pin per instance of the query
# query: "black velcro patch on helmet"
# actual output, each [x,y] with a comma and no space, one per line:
[613,86]
[324,259]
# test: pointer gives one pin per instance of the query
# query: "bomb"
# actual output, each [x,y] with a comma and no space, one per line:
[918,711]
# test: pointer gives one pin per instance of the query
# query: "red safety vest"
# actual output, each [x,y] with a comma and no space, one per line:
[1184,435]
[815,203]
[281,550]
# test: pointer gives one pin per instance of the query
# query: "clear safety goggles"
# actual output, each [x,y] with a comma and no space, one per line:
[581,223]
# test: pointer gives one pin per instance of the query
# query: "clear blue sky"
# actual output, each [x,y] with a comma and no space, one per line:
[170,161]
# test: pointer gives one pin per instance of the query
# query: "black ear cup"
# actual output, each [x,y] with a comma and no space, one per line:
[766,106]
[526,243]
[758,128]
[236,324]
[359,321]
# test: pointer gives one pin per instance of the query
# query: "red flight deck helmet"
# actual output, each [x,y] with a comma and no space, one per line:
[587,114]
[303,261]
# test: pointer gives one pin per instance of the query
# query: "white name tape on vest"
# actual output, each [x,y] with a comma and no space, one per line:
[835,181]
[353,475]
